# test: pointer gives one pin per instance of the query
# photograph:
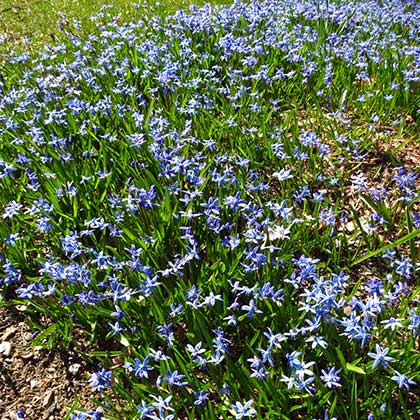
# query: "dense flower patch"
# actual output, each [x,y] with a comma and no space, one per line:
[219,201]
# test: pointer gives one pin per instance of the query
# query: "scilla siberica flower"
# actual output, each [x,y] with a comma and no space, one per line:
[243,410]
[402,380]
[174,378]
[201,398]
[95,414]
[380,357]
[78,416]
[101,380]
[19,415]
[331,378]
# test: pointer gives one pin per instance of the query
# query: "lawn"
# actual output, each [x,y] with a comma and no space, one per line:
[217,207]
[27,24]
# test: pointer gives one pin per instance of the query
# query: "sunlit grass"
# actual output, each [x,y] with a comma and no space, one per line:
[27,24]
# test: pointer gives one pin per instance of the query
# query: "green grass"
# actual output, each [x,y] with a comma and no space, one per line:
[27,24]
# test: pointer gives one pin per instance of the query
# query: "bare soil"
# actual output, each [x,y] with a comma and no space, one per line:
[42,383]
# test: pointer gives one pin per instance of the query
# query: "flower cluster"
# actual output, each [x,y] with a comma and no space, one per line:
[197,192]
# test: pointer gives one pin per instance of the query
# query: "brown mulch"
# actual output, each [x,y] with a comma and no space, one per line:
[42,383]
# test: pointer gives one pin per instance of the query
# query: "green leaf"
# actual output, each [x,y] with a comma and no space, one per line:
[124,340]
[356,369]
[394,244]
[342,359]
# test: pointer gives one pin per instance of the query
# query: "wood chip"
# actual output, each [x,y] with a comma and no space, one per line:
[10,331]
[48,399]
[5,348]
[26,355]
[74,368]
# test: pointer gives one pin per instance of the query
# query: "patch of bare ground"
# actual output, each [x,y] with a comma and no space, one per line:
[42,383]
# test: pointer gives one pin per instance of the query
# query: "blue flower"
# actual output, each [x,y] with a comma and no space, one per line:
[95,414]
[12,209]
[78,416]
[251,309]
[243,410]
[201,398]
[145,410]
[20,415]
[101,380]
[380,357]
[402,380]
[174,378]
[140,368]
[331,378]
[392,323]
